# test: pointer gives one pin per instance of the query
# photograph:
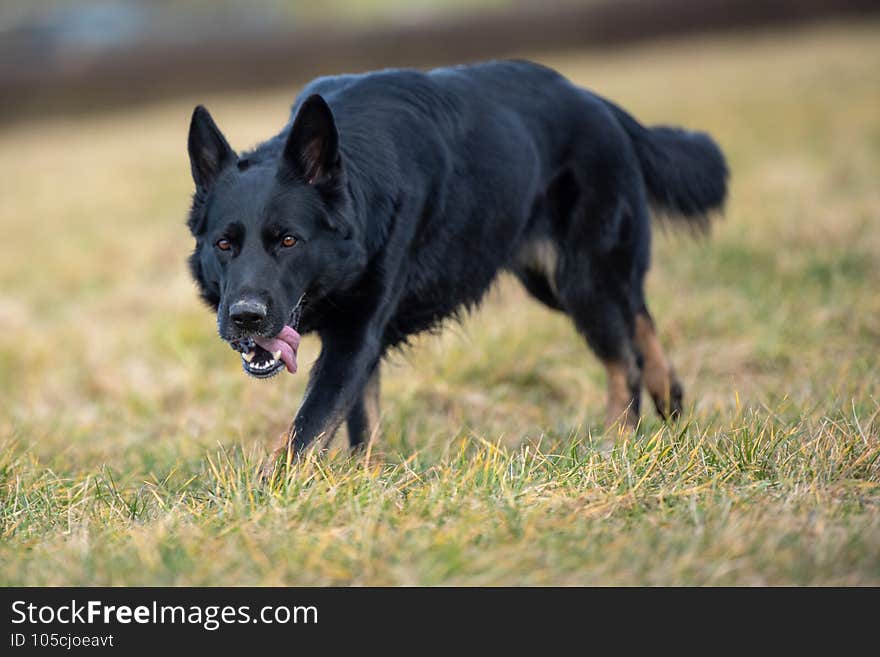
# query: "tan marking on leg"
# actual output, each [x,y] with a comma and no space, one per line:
[371,406]
[656,369]
[619,396]
[657,372]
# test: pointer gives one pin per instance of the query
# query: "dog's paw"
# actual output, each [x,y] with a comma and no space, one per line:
[671,408]
[276,461]
[267,470]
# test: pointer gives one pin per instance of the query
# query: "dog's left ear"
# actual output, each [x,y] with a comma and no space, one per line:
[312,149]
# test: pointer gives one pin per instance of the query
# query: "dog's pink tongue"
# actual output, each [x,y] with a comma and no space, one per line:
[287,342]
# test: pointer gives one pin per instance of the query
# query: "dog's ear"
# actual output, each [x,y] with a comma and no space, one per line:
[312,149]
[209,152]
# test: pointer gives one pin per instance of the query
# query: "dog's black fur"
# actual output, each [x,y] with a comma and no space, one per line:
[408,192]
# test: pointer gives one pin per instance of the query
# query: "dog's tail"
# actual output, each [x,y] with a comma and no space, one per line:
[685,172]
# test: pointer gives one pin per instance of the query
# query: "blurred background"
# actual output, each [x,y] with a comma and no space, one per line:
[112,375]
[59,55]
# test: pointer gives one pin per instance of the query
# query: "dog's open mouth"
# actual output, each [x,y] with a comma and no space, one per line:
[257,361]
[263,357]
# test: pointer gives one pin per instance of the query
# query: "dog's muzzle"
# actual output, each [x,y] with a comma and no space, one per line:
[263,358]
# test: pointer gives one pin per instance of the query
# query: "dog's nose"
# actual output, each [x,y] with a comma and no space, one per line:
[247,313]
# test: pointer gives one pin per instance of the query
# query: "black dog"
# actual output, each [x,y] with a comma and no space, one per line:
[393,199]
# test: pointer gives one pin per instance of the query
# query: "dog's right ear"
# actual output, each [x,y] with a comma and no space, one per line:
[209,152]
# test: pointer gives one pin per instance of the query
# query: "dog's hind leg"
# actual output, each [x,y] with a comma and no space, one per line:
[600,311]
[593,283]
[363,420]
[623,393]
[659,375]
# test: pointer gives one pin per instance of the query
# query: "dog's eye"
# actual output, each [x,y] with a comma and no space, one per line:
[288,241]
[224,244]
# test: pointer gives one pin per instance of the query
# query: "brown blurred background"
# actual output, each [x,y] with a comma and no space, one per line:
[58,57]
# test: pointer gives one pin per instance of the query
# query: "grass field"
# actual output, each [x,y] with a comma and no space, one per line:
[129,437]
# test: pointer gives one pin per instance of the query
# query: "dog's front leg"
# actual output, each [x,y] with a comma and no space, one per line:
[350,356]
[338,379]
[363,419]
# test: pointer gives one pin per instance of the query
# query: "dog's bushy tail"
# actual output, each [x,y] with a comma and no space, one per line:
[685,172]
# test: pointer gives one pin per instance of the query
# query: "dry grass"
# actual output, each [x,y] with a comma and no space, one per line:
[129,435]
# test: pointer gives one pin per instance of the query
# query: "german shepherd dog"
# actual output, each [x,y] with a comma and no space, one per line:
[392,200]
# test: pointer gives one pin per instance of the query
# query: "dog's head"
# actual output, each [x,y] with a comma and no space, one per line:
[270,231]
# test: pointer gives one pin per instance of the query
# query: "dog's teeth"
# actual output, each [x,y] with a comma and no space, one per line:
[249,356]
[277,355]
